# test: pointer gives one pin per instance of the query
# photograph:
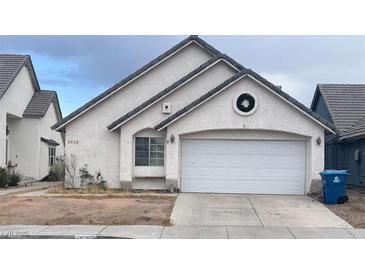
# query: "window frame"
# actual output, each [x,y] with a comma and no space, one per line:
[160,140]
[51,157]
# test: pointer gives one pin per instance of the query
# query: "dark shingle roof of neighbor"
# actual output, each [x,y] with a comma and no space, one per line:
[39,104]
[253,74]
[49,141]
[137,73]
[169,89]
[357,130]
[10,66]
[346,104]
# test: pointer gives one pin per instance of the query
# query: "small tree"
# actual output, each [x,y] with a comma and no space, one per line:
[86,178]
[70,171]
[57,171]
[14,177]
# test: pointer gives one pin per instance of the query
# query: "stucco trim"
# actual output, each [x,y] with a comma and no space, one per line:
[187,109]
[134,76]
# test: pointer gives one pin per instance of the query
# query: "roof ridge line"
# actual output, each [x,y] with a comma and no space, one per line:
[338,84]
[14,54]
[133,75]
[155,98]
[259,78]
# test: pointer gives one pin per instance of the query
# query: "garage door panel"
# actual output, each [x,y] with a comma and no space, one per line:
[258,172]
[251,186]
[247,174]
[276,167]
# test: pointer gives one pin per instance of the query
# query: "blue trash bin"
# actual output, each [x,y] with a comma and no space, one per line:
[334,186]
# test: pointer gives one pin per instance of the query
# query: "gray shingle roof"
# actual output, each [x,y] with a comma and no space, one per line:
[39,104]
[217,89]
[49,142]
[60,125]
[357,130]
[10,65]
[346,104]
[169,89]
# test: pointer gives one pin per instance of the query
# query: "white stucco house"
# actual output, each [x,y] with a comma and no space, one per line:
[27,142]
[195,120]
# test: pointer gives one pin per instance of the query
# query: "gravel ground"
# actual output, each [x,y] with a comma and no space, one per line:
[353,211]
[141,210]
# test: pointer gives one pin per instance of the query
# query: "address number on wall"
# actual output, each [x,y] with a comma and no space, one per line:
[73,142]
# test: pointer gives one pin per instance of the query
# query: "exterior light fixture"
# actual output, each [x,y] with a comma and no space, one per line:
[172,138]
[319,141]
[7,131]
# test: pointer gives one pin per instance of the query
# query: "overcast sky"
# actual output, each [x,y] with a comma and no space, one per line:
[81,67]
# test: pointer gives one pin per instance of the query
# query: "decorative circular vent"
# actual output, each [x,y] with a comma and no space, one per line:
[245,103]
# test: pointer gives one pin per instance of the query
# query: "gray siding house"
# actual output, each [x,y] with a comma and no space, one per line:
[344,106]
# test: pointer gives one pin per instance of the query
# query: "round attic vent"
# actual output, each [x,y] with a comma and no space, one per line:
[245,103]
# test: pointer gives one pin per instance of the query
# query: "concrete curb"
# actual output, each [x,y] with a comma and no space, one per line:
[175,232]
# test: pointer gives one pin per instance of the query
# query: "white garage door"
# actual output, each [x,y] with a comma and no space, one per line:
[235,166]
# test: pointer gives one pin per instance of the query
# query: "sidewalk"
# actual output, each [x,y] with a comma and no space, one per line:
[177,232]
[35,186]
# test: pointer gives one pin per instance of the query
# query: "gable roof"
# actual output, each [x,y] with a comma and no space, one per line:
[10,66]
[39,104]
[193,38]
[277,90]
[154,99]
[346,104]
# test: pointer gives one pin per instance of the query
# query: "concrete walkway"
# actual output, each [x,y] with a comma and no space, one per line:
[35,186]
[178,232]
[253,210]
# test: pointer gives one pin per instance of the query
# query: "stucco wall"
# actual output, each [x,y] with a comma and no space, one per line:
[45,131]
[272,114]
[87,136]
[153,115]
[14,102]
[2,136]
[24,146]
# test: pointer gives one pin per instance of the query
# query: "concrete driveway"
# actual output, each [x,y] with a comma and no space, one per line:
[253,210]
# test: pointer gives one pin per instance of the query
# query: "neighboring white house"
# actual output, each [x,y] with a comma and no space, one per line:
[195,120]
[27,142]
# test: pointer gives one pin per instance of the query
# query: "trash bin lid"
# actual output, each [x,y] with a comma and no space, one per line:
[334,172]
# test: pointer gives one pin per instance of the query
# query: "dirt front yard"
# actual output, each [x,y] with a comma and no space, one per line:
[107,210]
[352,211]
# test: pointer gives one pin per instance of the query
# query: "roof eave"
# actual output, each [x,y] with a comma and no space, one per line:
[49,142]
[355,136]
[193,38]
[178,84]
[262,81]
